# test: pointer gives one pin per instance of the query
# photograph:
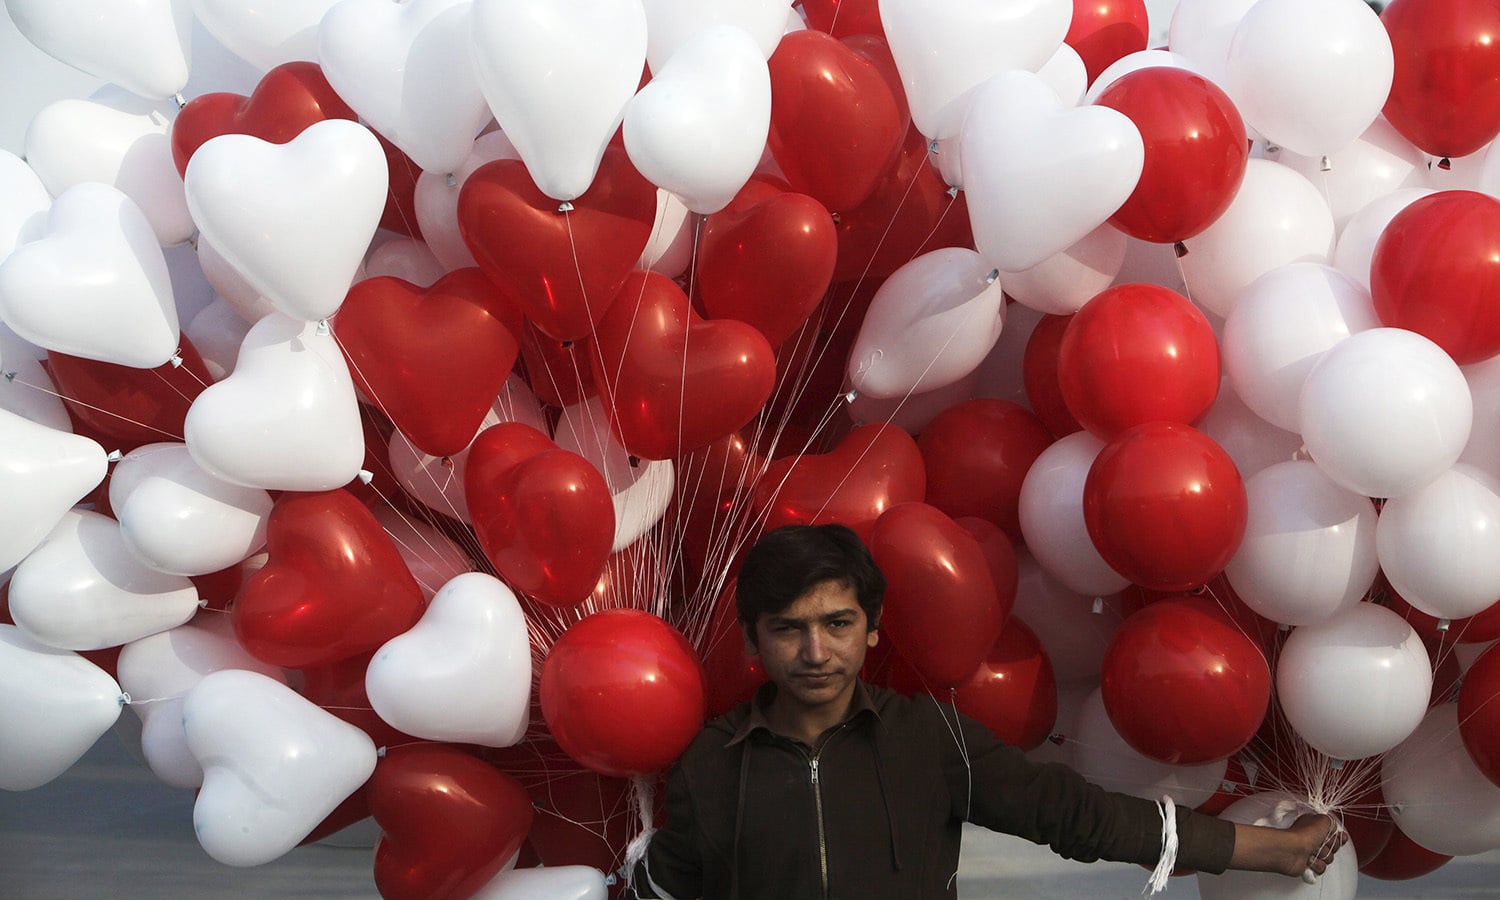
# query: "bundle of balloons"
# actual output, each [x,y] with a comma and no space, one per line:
[385,436]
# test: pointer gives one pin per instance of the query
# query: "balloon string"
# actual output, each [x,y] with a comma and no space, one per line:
[90,406]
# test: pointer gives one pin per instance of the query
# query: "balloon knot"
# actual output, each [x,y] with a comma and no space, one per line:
[952,192]
[851,396]
[124,698]
[322,330]
[114,456]
[451,181]
[1180,249]
[365,476]
[635,461]
[1325,165]
[993,277]
[932,147]
[176,359]
[177,98]
[1442,624]
[565,207]
[1098,607]
[10,376]
[1445,164]
[837,219]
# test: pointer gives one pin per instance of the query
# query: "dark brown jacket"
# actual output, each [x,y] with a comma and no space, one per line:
[876,809]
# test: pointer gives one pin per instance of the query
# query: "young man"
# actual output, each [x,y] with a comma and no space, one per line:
[825,787]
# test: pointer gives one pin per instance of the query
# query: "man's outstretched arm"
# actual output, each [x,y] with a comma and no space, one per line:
[1307,845]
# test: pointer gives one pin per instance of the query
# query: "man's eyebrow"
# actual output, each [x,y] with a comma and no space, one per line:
[826,617]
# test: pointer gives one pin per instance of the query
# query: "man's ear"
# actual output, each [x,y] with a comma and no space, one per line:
[872,637]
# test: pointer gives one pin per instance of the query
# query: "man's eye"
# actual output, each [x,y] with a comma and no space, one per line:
[840,623]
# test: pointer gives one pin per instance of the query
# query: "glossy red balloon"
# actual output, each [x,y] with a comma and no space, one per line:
[842,18]
[977,454]
[1436,271]
[708,513]
[544,516]
[432,359]
[1013,692]
[129,405]
[1165,506]
[1402,859]
[339,688]
[581,818]
[732,674]
[1445,94]
[449,822]
[1103,31]
[1000,553]
[673,381]
[1479,713]
[558,371]
[1196,152]
[1183,685]
[333,586]
[565,268]
[766,259]
[287,99]
[941,609]
[871,470]
[1137,353]
[1039,375]
[622,692]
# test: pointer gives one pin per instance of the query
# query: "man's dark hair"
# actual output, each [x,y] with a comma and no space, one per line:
[789,561]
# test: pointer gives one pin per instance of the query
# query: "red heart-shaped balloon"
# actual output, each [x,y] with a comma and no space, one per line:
[872,469]
[125,404]
[333,585]
[543,515]
[673,381]
[836,125]
[432,359]
[766,259]
[288,98]
[448,821]
[564,266]
[844,17]
[558,371]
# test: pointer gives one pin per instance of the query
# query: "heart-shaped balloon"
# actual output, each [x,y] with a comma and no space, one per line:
[463,673]
[57,705]
[46,472]
[435,200]
[766,259]
[872,469]
[128,404]
[274,765]
[565,266]
[546,883]
[672,23]
[162,668]
[641,490]
[673,381]
[594,52]
[294,219]
[267,34]
[449,822]
[141,46]
[23,215]
[179,519]
[94,283]
[286,418]
[394,63]
[284,103]
[698,128]
[118,143]
[333,585]
[1040,174]
[433,360]
[407,259]
[82,589]
[30,392]
[542,514]
[432,557]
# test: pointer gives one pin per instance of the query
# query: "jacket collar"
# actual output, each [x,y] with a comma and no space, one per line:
[755,720]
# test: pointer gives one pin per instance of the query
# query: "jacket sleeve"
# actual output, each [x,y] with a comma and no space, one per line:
[995,785]
[672,867]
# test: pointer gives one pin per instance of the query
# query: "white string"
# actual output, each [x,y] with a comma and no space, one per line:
[643,793]
[1168,861]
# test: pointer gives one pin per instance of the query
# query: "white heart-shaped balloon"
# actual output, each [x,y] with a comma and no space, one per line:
[158,671]
[404,68]
[698,129]
[231,287]
[94,283]
[592,53]
[1062,283]
[274,765]
[407,259]
[27,390]
[217,332]
[1039,174]
[641,490]
[670,249]
[286,418]
[546,883]
[430,555]
[177,518]
[142,45]
[463,673]
[82,588]
[945,50]
[24,202]
[436,200]
[672,23]
[46,471]
[294,219]
[265,33]
[73,141]
[57,704]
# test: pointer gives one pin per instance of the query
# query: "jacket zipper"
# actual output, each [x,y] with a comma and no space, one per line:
[822,837]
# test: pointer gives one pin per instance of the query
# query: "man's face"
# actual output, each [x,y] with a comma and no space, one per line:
[813,649]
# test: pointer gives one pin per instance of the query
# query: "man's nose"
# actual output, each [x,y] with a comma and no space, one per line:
[815,646]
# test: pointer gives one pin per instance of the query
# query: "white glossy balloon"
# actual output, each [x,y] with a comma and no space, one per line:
[1385,412]
[1252,442]
[407,259]
[1072,632]
[1062,283]
[29,392]
[265,33]
[930,324]
[943,51]
[43,472]
[1436,794]
[1308,552]
[1356,244]
[436,200]
[158,672]
[57,704]
[672,23]
[82,589]
[394,64]
[1039,174]
[698,128]
[1134,62]
[217,332]
[1001,375]
[230,286]
[293,219]
[1202,31]
[142,45]
[1354,685]
[641,490]
[430,555]
[24,202]
[1066,74]
[1051,515]
[94,283]
[1281,325]
[1279,810]
[286,418]
[912,412]
[1103,757]
[557,75]
[179,519]
[1371,166]
[1483,448]
[463,673]
[274,765]
[1440,545]
[546,883]
[670,249]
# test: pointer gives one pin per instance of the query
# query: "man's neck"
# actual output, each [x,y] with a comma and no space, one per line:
[808,725]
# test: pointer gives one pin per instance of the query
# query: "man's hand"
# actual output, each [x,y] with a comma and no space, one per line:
[1307,846]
